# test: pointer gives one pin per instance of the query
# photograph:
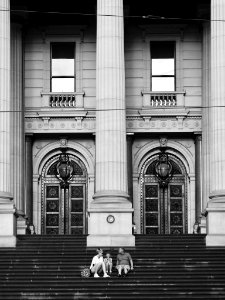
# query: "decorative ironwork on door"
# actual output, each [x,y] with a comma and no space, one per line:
[64,202]
[164,207]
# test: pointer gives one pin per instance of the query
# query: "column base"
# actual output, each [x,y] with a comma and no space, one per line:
[202,225]
[111,240]
[7,241]
[216,220]
[21,225]
[215,240]
[110,221]
[7,222]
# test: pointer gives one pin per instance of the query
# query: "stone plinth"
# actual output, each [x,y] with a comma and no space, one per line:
[7,221]
[216,221]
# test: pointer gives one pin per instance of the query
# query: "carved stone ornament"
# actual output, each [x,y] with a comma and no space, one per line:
[63,142]
[163,169]
[64,170]
[163,142]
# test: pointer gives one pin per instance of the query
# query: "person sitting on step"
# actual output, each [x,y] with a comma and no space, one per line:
[108,263]
[124,262]
[97,264]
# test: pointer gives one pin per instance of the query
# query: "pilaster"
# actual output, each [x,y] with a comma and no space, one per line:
[130,138]
[17,123]
[206,75]
[7,209]
[29,178]
[198,177]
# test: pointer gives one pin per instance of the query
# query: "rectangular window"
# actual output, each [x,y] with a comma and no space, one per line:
[163,66]
[63,67]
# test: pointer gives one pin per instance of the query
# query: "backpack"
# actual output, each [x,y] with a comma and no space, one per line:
[85,272]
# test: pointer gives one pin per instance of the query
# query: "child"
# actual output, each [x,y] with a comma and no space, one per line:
[108,263]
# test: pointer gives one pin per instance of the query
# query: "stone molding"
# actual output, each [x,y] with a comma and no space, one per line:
[82,123]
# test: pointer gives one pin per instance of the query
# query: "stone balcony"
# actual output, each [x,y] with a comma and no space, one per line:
[63,100]
[66,112]
[163,99]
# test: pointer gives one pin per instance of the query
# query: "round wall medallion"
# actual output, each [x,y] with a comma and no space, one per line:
[110,219]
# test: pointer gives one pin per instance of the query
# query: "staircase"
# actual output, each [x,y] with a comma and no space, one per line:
[166,267]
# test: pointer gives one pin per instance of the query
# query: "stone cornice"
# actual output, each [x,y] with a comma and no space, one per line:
[81,121]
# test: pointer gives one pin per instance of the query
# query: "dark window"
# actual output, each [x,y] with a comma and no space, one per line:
[163,66]
[63,67]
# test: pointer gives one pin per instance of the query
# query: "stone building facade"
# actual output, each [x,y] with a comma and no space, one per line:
[115,88]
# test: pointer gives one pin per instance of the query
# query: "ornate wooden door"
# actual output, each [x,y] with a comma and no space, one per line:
[164,208]
[64,210]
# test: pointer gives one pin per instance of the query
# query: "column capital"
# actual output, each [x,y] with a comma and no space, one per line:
[130,134]
[29,137]
[198,137]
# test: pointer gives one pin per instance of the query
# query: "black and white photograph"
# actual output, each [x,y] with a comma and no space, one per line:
[112,149]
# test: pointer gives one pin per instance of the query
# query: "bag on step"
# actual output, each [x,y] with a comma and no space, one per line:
[85,272]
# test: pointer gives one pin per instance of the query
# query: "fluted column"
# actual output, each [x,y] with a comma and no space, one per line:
[7,218]
[17,119]
[111,197]
[111,161]
[216,205]
[206,75]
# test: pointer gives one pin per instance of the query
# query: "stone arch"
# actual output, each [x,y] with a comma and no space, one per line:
[53,149]
[173,159]
[80,168]
[173,148]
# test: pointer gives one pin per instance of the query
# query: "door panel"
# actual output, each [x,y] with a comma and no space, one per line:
[152,209]
[77,209]
[52,209]
[176,209]
[64,209]
[164,208]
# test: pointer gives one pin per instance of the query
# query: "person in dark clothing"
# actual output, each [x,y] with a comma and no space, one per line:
[124,262]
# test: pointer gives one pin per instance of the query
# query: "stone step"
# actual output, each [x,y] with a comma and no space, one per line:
[166,267]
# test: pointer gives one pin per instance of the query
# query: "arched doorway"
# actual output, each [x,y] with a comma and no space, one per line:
[63,211]
[164,209]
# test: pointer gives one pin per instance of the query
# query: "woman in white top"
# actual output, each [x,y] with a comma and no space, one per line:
[97,264]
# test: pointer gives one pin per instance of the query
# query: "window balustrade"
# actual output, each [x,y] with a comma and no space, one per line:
[163,99]
[63,100]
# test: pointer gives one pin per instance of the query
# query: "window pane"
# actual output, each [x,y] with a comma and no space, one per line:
[62,67]
[163,66]
[160,84]
[162,49]
[62,85]
[63,50]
